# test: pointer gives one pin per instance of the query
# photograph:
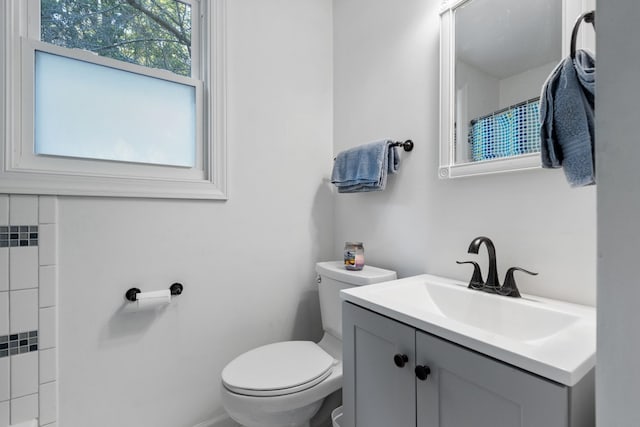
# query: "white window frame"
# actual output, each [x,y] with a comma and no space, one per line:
[23,172]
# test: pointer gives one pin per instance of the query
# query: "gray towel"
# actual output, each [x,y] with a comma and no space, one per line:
[567,119]
[365,168]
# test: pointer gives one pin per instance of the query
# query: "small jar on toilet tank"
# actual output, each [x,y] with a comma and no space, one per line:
[353,255]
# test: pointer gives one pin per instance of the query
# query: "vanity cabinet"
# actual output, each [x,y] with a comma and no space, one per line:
[463,388]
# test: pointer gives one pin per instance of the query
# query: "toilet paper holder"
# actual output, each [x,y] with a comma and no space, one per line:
[132,294]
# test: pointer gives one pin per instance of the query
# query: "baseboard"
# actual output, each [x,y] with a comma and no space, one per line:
[30,423]
[221,421]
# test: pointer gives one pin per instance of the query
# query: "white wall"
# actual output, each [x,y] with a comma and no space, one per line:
[247,264]
[525,85]
[386,58]
[617,152]
[477,94]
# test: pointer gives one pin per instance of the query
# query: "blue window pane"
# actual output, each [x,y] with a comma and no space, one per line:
[97,112]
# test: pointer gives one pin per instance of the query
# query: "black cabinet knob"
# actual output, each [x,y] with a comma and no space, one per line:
[422,372]
[400,360]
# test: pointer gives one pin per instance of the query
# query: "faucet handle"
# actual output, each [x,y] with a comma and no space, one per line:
[509,287]
[476,280]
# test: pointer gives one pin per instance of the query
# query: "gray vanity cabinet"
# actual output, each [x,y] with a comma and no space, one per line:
[380,393]
[463,388]
[468,389]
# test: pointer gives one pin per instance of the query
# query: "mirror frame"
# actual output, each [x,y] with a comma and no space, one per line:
[447,166]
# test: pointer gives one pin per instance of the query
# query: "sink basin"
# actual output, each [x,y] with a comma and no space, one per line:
[513,318]
[551,338]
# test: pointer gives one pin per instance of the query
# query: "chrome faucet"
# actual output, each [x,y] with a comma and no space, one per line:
[492,284]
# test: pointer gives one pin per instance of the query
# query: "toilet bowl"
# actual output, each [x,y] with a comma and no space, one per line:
[284,384]
[293,399]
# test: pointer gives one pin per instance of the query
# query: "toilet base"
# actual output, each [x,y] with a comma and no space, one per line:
[299,417]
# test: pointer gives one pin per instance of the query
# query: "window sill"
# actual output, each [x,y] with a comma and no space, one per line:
[54,184]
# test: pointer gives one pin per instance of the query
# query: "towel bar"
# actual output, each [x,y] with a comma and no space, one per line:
[406,146]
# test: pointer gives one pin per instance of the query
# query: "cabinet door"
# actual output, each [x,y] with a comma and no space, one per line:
[466,388]
[376,392]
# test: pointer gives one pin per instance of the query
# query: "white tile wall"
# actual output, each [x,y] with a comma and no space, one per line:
[23,311]
[4,380]
[48,334]
[4,313]
[48,365]
[47,244]
[48,403]
[23,210]
[4,269]
[48,210]
[4,209]
[23,267]
[48,286]
[4,414]
[24,409]
[24,374]
[28,300]
[4,316]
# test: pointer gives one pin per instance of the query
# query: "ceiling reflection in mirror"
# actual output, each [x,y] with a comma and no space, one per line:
[504,51]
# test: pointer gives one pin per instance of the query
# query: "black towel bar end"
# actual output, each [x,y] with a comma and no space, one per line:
[406,146]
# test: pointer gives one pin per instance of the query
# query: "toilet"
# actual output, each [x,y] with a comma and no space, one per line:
[284,384]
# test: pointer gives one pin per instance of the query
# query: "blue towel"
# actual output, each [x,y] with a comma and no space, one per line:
[567,119]
[365,168]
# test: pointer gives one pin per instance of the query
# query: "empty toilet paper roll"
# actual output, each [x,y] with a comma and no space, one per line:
[153,299]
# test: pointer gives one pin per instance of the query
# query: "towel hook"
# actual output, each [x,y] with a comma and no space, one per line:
[589,17]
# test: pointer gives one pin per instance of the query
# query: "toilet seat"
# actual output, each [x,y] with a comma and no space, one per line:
[278,369]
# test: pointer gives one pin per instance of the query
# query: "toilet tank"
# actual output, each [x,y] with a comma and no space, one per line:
[332,278]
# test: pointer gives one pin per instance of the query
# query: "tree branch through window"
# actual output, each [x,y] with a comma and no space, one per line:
[152,33]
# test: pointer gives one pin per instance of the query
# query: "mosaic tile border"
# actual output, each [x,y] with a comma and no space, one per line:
[12,236]
[23,342]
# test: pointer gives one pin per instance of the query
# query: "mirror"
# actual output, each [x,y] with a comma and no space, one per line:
[495,57]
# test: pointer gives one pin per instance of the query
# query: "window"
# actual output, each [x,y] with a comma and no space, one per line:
[78,102]
[152,33]
[113,97]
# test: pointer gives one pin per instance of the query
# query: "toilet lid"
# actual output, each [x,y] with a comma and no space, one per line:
[277,369]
